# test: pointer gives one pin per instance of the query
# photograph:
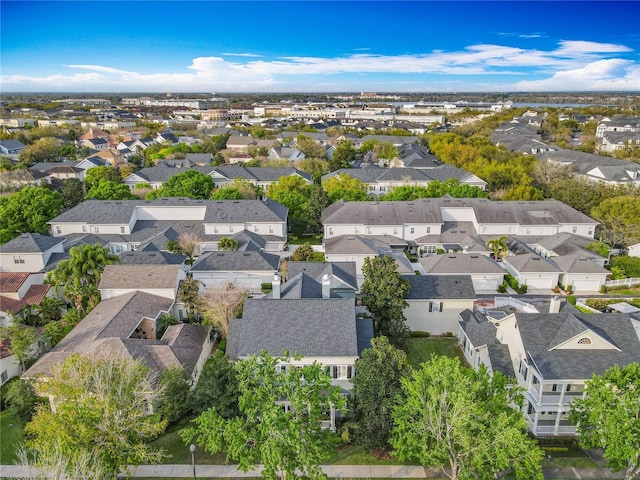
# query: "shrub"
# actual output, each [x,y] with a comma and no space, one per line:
[511,281]
[222,345]
[604,289]
[502,288]
[3,392]
[571,299]
[266,287]
[522,289]
[448,334]
[440,251]
[419,334]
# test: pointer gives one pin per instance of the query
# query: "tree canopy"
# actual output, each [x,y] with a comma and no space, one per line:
[190,184]
[97,175]
[287,440]
[453,416]
[111,191]
[620,219]
[28,211]
[293,192]
[101,409]
[609,417]
[383,292]
[435,189]
[345,187]
[217,387]
[343,155]
[376,390]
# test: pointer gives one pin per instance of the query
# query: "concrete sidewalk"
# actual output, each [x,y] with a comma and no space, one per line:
[333,471]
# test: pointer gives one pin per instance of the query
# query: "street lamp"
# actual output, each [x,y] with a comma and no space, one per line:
[192,449]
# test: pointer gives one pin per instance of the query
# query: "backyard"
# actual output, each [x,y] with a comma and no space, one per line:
[422,348]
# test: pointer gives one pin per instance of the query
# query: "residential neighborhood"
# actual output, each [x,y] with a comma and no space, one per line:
[300,234]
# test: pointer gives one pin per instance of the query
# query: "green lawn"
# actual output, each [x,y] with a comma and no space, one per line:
[302,239]
[11,433]
[421,349]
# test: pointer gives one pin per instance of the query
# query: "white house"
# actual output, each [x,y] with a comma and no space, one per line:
[550,355]
[143,224]
[436,301]
[485,272]
[160,280]
[30,252]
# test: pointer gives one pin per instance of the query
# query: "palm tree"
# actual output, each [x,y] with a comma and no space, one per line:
[84,266]
[499,247]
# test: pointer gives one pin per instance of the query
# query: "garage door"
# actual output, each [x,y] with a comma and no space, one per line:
[486,284]
[539,282]
[586,285]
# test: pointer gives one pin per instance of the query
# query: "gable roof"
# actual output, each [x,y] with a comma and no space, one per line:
[151,258]
[461,264]
[10,282]
[311,327]
[536,329]
[434,287]
[234,261]
[139,276]
[344,271]
[31,243]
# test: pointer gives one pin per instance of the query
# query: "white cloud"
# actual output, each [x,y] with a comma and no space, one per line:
[573,65]
[612,75]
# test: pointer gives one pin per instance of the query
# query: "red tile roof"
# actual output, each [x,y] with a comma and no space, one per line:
[10,282]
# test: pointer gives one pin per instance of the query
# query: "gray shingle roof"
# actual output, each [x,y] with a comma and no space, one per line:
[236,261]
[311,327]
[531,263]
[537,330]
[139,276]
[345,271]
[461,264]
[440,287]
[31,243]
[427,210]
[151,258]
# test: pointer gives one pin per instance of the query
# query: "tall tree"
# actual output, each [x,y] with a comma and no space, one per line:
[343,155]
[376,390]
[318,201]
[293,192]
[310,148]
[72,192]
[383,292]
[189,294]
[499,247]
[620,217]
[191,184]
[111,191]
[102,409]
[171,403]
[20,339]
[345,187]
[455,417]
[28,210]
[83,267]
[285,441]
[42,150]
[228,244]
[316,167]
[217,387]
[609,417]
[97,175]
[223,303]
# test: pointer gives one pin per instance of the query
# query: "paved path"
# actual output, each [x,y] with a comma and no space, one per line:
[333,471]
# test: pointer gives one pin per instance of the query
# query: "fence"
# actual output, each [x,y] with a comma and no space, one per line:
[622,282]
[509,301]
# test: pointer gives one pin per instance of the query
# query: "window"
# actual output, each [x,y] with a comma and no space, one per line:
[395,231]
[230,228]
[530,409]
[84,229]
[584,341]
[568,388]
[122,230]
[435,306]
[484,229]
[528,231]
[216,229]
[357,230]
[96,229]
[270,228]
[58,230]
[523,369]
[412,230]
[430,249]
[369,231]
[428,229]
[255,228]
[330,231]
[4,377]
[535,380]
[575,229]
[341,371]
[18,259]
[372,188]
[281,368]
[383,189]
[181,315]
[554,387]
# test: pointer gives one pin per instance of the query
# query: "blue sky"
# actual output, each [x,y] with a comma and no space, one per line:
[319,46]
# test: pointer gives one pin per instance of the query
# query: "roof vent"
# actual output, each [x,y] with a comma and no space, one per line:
[474,256]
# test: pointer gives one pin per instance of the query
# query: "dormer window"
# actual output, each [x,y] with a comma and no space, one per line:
[584,341]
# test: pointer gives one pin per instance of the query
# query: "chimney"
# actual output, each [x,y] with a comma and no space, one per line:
[326,286]
[555,305]
[275,283]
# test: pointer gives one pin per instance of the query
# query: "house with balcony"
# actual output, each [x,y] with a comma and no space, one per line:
[308,317]
[550,355]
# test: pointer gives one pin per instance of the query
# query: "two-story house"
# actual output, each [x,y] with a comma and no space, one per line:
[550,355]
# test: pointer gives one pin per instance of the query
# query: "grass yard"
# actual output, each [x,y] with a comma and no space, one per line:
[11,433]
[302,239]
[178,452]
[355,455]
[421,349]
